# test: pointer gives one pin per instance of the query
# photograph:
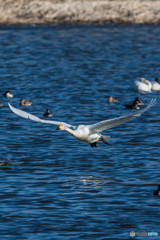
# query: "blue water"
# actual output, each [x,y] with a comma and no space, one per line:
[54,187]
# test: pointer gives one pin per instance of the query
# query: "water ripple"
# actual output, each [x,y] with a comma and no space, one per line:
[52,185]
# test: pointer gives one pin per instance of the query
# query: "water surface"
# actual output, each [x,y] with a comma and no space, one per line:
[52,185]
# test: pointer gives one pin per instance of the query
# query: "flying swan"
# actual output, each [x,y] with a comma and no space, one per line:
[86,133]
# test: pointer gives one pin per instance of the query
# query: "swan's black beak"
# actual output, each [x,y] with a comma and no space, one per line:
[58,128]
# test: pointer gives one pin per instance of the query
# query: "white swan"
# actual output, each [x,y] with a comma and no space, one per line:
[156,85]
[144,85]
[87,133]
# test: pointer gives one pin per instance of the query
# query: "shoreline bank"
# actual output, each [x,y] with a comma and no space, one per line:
[79,12]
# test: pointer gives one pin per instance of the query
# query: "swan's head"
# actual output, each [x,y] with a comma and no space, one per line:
[61,127]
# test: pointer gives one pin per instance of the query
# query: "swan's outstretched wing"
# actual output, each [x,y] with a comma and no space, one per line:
[34,118]
[106,124]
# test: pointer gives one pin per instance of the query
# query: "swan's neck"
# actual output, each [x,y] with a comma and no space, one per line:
[146,82]
[69,130]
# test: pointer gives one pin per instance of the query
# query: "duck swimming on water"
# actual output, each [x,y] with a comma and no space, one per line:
[8,94]
[47,113]
[86,133]
[24,102]
[112,100]
[135,104]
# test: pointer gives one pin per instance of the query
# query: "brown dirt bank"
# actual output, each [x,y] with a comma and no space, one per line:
[79,11]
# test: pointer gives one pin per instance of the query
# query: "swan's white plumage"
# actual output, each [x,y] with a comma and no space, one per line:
[32,117]
[87,133]
[144,85]
[107,124]
[156,85]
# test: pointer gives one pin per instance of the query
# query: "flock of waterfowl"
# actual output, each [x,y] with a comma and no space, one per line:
[134,105]
[23,102]
[91,133]
[87,133]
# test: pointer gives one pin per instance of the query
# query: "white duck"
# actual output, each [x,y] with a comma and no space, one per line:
[86,133]
[156,84]
[144,85]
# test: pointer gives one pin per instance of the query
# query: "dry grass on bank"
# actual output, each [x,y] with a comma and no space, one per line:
[79,11]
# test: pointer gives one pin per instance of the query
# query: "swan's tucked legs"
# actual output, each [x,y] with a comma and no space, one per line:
[94,144]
